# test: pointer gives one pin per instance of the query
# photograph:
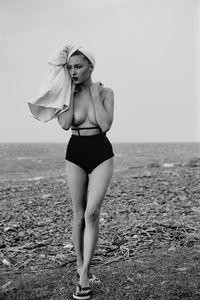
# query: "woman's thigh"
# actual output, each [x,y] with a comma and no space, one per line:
[98,183]
[77,180]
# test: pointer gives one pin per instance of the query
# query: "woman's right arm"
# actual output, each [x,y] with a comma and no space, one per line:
[65,118]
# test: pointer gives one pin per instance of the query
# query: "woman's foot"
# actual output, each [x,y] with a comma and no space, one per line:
[84,279]
[82,293]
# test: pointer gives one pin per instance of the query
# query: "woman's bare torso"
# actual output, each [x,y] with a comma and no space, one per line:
[84,114]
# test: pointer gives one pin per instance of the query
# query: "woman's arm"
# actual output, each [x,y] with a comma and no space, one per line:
[65,118]
[104,108]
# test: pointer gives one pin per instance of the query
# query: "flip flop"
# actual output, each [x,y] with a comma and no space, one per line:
[82,293]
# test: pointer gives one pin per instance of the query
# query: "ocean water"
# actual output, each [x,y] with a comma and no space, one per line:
[34,161]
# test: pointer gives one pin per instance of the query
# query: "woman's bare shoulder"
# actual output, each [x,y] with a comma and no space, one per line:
[107,97]
[107,89]
[108,92]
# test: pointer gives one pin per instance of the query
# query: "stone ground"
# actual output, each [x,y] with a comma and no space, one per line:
[149,243]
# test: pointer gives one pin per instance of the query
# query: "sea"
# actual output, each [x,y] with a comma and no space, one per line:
[36,161]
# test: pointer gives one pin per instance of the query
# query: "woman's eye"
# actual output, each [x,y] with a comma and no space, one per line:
[76,67]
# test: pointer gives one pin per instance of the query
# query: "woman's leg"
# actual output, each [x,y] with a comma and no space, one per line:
[98,184]
[77,180]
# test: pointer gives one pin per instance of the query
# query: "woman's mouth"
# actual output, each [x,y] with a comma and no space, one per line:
[75,78]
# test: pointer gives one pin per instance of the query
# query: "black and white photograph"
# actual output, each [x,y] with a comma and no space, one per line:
[100,149]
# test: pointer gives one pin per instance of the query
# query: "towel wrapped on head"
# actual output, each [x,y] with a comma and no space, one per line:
[55,90]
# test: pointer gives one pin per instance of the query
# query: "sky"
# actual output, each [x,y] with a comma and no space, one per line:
[145,50]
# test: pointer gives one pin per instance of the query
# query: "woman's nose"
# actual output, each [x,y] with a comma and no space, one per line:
[73,71]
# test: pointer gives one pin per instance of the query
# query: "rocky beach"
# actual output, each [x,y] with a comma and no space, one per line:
[149,242]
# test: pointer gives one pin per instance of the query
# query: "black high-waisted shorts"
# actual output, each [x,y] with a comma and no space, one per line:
[89,151]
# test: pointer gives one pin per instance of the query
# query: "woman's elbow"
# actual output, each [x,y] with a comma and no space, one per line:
[64,125]
[106,126]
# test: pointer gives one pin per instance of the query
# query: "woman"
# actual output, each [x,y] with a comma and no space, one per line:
[89,159]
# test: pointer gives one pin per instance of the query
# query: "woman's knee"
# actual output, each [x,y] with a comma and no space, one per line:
[79,219]
[92,216]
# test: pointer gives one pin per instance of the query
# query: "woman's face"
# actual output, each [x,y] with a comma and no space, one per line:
[79,69]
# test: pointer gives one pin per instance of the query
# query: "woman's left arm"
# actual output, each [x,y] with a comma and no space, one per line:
[103,100]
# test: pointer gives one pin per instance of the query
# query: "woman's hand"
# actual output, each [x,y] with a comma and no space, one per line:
[96,88]
[103,101]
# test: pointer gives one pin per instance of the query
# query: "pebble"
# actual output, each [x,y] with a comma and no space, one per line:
[6,262]
[6,285]
[172,248]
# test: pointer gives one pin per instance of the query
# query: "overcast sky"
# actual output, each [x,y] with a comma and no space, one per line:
[145,50]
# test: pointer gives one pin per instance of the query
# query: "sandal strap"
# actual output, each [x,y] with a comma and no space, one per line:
[88,289]
[82,293]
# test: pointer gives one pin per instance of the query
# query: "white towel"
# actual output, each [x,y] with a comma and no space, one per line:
[55,90]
